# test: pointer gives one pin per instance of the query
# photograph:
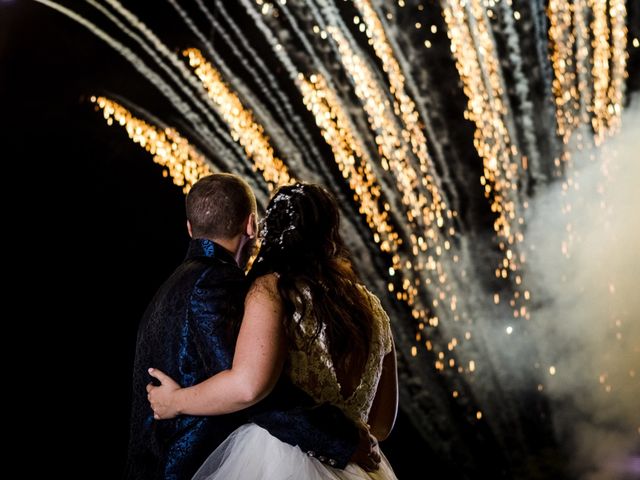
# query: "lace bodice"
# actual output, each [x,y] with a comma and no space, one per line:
[311,368]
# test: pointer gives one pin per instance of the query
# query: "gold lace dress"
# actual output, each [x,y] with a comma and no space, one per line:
[251,453]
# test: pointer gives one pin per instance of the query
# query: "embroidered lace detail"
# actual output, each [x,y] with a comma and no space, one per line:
[311,368]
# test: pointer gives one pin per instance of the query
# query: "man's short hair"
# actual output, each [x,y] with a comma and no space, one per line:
[217,206]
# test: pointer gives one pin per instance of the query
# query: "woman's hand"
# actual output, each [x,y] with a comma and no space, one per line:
[163,398]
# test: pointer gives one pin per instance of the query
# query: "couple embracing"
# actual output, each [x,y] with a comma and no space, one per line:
[286,373]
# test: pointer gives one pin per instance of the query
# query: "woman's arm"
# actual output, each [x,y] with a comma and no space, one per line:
[385,405]
[257,363]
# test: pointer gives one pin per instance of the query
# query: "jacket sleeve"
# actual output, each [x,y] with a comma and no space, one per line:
[321,431]
[216,306]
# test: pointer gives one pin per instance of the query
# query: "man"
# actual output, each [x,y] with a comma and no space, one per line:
[189,330]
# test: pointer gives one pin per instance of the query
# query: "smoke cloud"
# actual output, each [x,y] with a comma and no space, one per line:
[584,268]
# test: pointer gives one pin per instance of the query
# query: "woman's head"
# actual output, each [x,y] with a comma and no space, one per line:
[302,224]
[300,240]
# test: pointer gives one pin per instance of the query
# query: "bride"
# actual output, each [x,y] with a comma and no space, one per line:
[306,315]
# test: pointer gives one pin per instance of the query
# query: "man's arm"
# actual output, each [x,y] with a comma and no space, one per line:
[321,431]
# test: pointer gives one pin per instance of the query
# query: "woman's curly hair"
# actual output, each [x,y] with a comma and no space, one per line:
[301,242]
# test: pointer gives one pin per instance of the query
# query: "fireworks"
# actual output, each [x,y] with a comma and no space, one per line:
[333,92]
[488,108]
[395,185]
[182,162]
[242,126]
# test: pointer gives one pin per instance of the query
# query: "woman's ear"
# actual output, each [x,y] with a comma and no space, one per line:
[189,229]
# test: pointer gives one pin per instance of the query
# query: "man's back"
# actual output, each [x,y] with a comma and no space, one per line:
[187,331]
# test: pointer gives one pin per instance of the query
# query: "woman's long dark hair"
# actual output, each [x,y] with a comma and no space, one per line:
[301,242]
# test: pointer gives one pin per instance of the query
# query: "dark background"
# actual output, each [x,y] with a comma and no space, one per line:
[93,229]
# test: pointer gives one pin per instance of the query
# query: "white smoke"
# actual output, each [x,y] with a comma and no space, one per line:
[587,324]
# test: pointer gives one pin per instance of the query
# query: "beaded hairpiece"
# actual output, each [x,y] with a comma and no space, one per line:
[282,197]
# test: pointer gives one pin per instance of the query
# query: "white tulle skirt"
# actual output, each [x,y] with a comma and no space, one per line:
[251,453]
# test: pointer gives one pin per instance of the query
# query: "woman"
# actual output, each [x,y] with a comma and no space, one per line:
[307,313]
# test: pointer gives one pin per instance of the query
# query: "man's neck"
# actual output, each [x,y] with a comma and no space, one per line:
[231,245]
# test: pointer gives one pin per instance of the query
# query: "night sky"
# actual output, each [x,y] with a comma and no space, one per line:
[100,214]
[88,205]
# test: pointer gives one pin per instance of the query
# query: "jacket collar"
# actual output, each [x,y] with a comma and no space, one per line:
[202,247]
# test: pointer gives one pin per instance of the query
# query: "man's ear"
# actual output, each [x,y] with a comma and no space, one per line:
[189,229]
[252,226]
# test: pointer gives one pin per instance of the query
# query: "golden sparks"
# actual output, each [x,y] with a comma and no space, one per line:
[565,87]
[403,105]
[244,129]
[349,154]
[576,102]
[402,148]
[478,66]
[600,71]
[182,161]
[619,54]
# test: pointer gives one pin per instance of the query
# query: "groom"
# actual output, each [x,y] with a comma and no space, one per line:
[189,332]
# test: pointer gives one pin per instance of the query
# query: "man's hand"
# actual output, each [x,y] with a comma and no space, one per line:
[367,454]
[162,398]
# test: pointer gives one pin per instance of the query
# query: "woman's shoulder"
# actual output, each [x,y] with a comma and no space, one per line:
[368,293]
[381,321]
[375,302]
[266,284]
[270,278]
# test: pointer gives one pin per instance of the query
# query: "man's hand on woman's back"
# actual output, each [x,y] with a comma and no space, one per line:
[367,454]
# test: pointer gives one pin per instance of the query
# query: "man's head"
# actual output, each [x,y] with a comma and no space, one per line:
[221,207]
